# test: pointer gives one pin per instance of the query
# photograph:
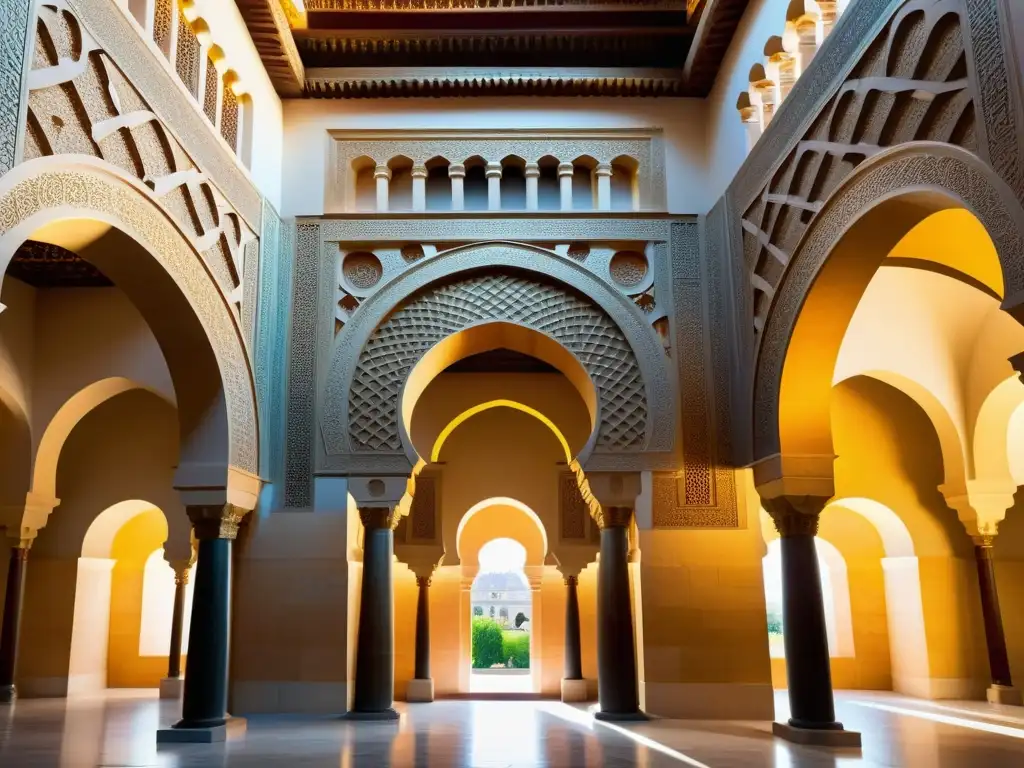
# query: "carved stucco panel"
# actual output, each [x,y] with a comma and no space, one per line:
[14,32]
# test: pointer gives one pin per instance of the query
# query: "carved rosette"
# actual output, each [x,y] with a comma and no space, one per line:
[795,515]
[216,521]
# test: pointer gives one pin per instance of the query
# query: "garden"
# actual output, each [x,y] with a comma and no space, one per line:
[495,646]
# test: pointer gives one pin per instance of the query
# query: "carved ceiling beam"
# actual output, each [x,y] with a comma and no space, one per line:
[271,33]
[349,83]
[715,30]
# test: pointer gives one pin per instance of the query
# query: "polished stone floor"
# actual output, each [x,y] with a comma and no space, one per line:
[118,731]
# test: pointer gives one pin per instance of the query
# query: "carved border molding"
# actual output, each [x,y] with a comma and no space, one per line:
[50,183]
[669,512]
[703,409]
[147,70]
[560,229]
[14,36]
[946,169]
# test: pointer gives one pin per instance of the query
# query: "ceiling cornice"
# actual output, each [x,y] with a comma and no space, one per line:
[272,35]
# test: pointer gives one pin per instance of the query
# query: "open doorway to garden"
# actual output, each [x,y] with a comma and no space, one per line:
[501,604]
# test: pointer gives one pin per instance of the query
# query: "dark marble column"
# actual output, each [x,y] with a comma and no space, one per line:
[423,628]
[803,614]
[998,661]
[375,643]
[617,689]
[205,700]
[177,622]
[13,598]
[573,656]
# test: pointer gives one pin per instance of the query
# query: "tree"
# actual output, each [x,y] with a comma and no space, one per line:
[478,610]
[520,618]
[487,643]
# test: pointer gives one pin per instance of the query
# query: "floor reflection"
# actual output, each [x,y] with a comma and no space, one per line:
[119,730]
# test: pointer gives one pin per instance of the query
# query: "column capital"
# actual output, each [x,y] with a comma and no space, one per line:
[980,504]
[382,172]
[457,171]
[216,521]
[613,517]
[795,515]
[419,171]
[571,580]
[532,170]
[984,542]
[565,169]
[493,170]
[423,582]
[378,518]
[603,169]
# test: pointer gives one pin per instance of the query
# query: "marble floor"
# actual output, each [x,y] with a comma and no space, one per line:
[118,731]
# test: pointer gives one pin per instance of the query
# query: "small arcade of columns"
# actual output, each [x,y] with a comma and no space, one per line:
[382,502]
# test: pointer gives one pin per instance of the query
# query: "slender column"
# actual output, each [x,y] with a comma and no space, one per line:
[13,598]
[205,701]
[457,174]
[419,188]
[603,172]
[565,185]
[807,35]
[493,174]
[382,175]
[811,702]
[423,628]
[532,174]
[375,642]
[998,661]
[573,655]
[617,688]
[177,623]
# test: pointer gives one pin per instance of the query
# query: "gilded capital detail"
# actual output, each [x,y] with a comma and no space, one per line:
[216,521]
[795,515]
[613,517]
[376,518]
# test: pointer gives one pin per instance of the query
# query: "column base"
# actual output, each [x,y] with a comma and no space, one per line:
[818,737]
[1004,694]
[384,715]
[420,690]
[232,729]
[8,694]
[621,717]
[172,687]
[574,690]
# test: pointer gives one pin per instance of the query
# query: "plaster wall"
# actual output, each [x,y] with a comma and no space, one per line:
[726,136]
[1009,554]
[17,342]
[306,123]
[124,449]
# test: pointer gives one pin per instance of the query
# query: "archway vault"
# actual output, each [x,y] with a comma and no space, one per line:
[521,297]
[45,192]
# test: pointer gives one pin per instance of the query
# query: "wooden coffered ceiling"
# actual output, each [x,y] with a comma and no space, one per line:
[383,48]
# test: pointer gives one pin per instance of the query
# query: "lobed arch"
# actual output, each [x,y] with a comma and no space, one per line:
[515,504]
[89,207]
[869,213]
[989,447]
[629,346]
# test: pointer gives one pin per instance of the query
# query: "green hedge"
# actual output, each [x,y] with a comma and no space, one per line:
[487,643]
[515,645]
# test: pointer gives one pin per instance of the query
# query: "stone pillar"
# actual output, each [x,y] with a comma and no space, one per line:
[419,187]
[9,634]
[603,172]
[204,710]
[1001,690]
[421,687]
[457,174]
[172,686]
[532,174]
[375,642]
[807,37]
[382,175]
[493,174]
[574,687]
[565,185]
[617,688]
[808,670]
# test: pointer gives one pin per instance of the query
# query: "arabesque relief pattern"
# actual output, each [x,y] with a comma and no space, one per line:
[81,103]
[911,84]
[13,39]
[432,315]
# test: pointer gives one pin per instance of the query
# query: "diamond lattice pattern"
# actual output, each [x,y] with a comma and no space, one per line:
[439,311]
